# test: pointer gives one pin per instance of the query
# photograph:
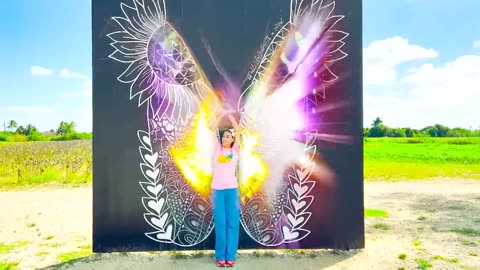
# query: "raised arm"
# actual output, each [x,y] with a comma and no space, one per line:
[235,125]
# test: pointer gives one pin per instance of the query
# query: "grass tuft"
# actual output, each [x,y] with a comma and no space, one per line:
[7,248]
[198,254]
[177,255]
[8,265]
[423,264]
[375,213]
[381,226]
[42,253]
[466,231]
[440,257]
[48,237]
[416,242]
[88,246]
[69,256]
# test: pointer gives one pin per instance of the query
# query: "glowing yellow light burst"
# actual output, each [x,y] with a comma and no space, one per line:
[193,154]
[253,170]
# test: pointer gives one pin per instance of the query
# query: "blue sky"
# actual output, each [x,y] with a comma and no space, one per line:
[55,35]
[419,55]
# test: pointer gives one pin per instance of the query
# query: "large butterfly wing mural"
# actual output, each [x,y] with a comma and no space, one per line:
[277,110]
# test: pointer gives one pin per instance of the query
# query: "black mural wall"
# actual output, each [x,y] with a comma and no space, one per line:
[146,52]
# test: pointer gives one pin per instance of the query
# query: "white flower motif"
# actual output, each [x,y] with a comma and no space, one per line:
[159,62]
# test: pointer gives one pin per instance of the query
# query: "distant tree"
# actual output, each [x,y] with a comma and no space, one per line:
[436,130]
[409,132]
[442,130]
[65,128]
[31,130]
[21,130]
[377,122]
[365,132]
[12,124]
[430,131]
[378,129]
[396,132]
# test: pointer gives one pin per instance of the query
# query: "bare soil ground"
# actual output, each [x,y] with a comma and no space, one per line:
[435,222]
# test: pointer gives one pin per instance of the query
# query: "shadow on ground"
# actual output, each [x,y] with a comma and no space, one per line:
[118,261]
[446,215]
[439,213]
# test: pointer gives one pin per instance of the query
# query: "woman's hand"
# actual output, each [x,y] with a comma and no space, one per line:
[219,115]
[225,111]
[235,126]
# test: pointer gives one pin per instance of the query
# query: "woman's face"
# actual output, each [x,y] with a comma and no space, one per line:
[227,139]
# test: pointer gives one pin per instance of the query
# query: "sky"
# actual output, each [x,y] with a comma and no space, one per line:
[421,62]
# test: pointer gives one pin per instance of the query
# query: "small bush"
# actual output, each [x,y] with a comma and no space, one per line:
[460,142]
[381,226]
[73,136]
[17,138]
[423,264]
[36,137]
[415,141]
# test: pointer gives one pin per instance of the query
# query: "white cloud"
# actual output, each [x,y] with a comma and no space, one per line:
[86,85]
[31,109]
[476,44]
[383,56]
[66,73]
[447,94]
[40,71]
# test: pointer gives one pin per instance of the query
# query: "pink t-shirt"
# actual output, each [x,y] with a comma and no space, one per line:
[224,168]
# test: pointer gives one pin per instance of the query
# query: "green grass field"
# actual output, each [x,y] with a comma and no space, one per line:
[420,158]
[391,159]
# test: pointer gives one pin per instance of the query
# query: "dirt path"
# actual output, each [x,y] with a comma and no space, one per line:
[438,221]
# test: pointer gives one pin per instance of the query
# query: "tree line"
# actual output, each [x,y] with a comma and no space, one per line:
[65,131]
[378,129]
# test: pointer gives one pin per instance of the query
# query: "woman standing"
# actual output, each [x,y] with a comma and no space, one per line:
[225,195]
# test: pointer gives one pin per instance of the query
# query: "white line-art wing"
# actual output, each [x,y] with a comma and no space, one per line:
[276,108]
[163,76]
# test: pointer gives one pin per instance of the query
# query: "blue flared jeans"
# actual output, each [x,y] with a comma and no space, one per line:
[226,217]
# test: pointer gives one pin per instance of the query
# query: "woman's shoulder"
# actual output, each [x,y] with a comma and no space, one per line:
[236,147]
